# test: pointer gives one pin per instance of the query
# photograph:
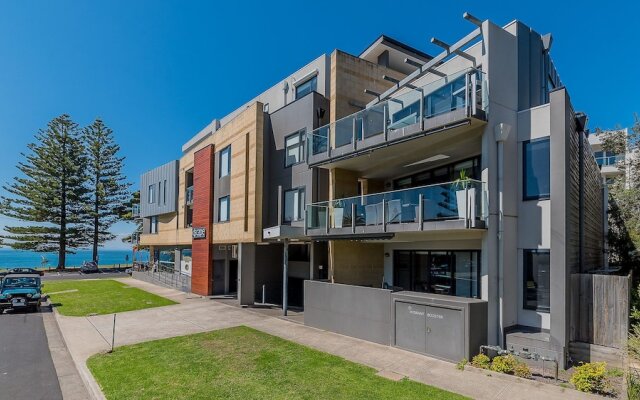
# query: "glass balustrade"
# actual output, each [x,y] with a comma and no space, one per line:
[448,201]
[189,195]
[458,91]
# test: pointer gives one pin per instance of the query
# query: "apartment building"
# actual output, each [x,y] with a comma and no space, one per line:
[431,202]
[611,164]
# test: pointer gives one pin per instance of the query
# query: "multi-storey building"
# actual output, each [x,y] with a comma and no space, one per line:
[464,175]
[611,164]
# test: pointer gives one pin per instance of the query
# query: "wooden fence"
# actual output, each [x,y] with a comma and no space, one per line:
[600,309]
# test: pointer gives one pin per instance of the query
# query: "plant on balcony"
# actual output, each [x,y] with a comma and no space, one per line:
[465,193]
[338,213]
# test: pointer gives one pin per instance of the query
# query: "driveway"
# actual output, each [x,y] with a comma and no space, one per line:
[26,367]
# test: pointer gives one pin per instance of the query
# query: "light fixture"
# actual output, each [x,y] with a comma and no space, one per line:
[501,131]
[437,157]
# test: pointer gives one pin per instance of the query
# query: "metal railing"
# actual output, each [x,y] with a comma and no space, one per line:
[462,90]
[609,160]
[135,211]
[166,275]
[465,200]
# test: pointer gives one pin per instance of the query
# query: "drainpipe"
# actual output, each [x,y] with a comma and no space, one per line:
[285,277]
[501,132]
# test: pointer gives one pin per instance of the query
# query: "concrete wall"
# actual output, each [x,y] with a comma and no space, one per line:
[360,312]
[163,203]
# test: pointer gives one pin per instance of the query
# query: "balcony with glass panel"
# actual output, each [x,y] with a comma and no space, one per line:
[447,206]
[454,102]
[189,196]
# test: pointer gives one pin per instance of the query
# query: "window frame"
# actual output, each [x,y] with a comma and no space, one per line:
[228,209]
[301,206]
[539,196]
[153,223]
[302,145]
[312,89]
[525,265]
[220,170]
[151,193]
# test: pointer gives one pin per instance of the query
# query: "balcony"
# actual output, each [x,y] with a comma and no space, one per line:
[446,206]
[189,196]
[135,211]
[453,101]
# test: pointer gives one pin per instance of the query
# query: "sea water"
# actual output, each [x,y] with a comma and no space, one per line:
[10,258]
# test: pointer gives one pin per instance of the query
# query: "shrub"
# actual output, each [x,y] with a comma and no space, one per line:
[481,361]
[505,364]
[522,370]
[633,344]
[633,386]
[462,364]
[591,377]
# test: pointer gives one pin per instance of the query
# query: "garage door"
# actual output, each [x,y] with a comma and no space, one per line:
[432,330]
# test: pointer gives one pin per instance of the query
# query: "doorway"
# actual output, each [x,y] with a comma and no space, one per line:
[233,276]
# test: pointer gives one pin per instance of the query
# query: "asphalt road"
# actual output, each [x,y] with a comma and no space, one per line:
[52,276]
[26,368]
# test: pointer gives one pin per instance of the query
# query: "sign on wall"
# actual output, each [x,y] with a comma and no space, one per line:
[199,233]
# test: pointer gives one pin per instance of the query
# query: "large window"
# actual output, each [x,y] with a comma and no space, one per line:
[536,280]
[293,205]
[536,169]
[153,224]
[306,87]
[152,194]
[454,273]
[225,161]
[294,148]
[223,209]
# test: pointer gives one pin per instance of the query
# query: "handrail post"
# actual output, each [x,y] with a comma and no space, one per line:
[474,88]
[467,203]
[385,117]
[328,141]
[353,217]
[384,215]
[421,211]
[421,113]
[466,93]
[353,133]
[326,222]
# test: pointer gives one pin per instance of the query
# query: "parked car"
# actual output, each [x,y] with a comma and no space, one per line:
[20,292]
[89,267]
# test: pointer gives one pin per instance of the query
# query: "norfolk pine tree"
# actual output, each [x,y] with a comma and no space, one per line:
[50,194]
[107,185]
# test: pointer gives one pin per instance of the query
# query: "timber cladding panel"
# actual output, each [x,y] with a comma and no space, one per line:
[202,271]
[356,263]
[593,204]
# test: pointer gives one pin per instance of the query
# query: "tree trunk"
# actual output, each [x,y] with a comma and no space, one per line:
[62,251]
[96,220]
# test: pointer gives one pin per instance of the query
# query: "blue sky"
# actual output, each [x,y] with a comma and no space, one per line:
[158,71]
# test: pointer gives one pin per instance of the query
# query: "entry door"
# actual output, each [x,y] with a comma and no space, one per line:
[233,276]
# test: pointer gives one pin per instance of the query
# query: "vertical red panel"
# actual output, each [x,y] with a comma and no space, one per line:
[202,262]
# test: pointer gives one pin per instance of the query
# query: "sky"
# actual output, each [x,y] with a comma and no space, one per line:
[159,71]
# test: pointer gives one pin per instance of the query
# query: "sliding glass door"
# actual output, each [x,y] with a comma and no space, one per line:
[448,272]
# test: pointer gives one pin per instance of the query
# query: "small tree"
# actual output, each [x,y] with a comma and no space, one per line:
[106,184]
[50,193]
[127,214]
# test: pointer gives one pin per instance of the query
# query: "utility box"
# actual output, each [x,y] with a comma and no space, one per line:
[445,327]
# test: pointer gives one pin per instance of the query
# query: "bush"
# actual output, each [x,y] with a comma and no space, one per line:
[462,364]
[591,378]
[522,370]
[481,361]
[633,386]
[505,364]
[633,344]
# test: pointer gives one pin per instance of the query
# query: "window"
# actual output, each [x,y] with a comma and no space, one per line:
[537,169]
[265,107]
[293,205]
[164,193]
[536,280]
[223,209]
[152,194]
[153,225]
[159,191]
[294,148]
[306,87]
[225,161]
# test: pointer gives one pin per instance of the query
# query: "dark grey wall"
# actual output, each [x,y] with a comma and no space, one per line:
[156,177]
[356,311]
[300,114]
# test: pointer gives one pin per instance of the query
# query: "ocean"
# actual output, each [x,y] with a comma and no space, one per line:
[10,258]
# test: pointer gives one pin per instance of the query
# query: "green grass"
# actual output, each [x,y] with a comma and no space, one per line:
[103,296]
[242,363]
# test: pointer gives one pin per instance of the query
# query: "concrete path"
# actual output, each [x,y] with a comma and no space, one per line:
[91,335]
[26,368]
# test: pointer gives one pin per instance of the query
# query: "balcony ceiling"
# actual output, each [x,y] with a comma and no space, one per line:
[395,160]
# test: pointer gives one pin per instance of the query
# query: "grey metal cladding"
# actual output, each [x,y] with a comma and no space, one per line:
[163,201]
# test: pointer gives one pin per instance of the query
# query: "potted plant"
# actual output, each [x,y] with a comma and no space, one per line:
[465,196]
[338,214]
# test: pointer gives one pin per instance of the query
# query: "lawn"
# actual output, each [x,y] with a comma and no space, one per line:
[242,363]
[99,296]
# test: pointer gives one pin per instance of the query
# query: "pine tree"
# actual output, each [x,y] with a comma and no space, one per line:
[50,193]
[106,183]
